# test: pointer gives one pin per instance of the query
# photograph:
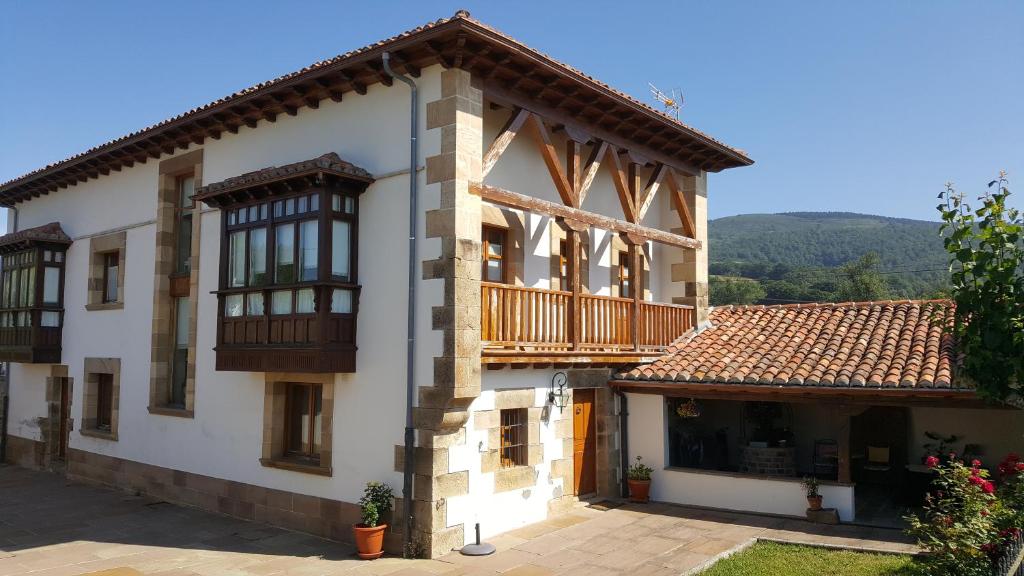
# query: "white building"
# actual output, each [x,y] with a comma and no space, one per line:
[213,310]
[244,349]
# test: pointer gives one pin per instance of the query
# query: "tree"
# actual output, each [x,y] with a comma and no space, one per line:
[986,254]
[860,280]
[734,291]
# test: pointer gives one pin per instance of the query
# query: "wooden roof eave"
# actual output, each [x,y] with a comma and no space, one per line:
[443,42]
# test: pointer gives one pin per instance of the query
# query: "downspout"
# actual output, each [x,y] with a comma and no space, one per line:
[624,439]
[5,397]
[410,349]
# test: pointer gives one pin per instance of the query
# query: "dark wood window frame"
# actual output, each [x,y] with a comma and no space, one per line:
[30,326]
[304,449]
[494,235]
[513,434]
[626,280]
[104,401]
[313,328]
[108,257]
[182,212]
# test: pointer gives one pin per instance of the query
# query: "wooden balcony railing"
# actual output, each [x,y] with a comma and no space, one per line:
[514,318]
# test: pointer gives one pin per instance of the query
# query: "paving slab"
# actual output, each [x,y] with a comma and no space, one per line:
[52,527]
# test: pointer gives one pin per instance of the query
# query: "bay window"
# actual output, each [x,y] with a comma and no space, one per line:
[32,294]
[288,267]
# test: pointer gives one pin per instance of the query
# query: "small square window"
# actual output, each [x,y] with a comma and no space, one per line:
[513,438]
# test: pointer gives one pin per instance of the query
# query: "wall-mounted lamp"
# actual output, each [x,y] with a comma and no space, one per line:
[557,396]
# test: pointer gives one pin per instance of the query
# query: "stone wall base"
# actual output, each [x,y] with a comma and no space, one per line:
[26,453]
[332,519]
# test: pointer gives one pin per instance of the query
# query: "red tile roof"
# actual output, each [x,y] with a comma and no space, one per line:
[460,21]
[50,233]
[894,344]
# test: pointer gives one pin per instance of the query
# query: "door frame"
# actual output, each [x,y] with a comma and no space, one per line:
[590,440]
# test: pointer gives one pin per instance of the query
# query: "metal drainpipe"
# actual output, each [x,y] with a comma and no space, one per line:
[410,352]
[5,399]
[624,435]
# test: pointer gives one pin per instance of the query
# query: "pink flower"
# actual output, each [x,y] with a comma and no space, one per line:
[988,487]
[976,480]
[975,463]
[1019,467]
[931,462]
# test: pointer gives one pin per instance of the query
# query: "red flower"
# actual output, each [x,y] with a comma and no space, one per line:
[931,462]
[988,487]
[975,463]
[976,480]
[1019,467]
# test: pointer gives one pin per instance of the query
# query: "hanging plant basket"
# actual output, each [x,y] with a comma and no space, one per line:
[688,409]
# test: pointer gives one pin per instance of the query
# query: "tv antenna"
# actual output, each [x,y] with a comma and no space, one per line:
[671,102]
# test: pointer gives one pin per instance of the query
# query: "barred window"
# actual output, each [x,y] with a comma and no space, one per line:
[513,438]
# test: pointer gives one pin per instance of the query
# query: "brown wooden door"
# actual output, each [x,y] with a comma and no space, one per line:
[65,419]
[584,444]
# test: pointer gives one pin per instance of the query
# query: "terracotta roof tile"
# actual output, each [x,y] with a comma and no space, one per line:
[51,233]
[889,344]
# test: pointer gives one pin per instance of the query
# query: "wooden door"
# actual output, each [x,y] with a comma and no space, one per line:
[65,419]
[584,444]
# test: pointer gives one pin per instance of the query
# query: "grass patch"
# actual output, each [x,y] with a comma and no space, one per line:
[772,559]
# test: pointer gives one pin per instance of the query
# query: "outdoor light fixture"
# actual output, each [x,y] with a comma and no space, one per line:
[557,396]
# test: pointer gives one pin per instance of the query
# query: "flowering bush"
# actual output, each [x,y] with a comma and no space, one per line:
[961,519]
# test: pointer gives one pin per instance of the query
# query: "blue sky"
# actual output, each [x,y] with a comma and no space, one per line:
[861,106]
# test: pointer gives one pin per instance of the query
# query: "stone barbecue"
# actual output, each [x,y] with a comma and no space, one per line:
[768,461]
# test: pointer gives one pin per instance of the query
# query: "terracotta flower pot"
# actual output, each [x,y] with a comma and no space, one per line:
[814,502]
[369,541]
[639,490]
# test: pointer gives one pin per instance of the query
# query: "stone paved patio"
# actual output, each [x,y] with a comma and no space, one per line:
[51,527]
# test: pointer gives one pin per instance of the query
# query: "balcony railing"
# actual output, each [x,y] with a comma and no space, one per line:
[533,320]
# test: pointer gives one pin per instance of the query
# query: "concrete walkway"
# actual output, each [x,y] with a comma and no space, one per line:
[51,527]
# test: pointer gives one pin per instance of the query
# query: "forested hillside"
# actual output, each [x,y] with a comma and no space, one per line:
[800,256]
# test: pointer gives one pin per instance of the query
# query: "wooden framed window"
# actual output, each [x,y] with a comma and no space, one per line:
[563,265]
[104,401]
[495,265]
[110,276]
[625,276]
[303,421]
[513,437]
[185,187]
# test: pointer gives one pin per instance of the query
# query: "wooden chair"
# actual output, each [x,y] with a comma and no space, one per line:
[826,459]
[879,462]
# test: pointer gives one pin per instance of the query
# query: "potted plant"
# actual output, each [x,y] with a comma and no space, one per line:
[811,484]
[369,534]
[638,476]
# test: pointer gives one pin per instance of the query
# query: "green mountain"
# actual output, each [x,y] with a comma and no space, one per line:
[797,255]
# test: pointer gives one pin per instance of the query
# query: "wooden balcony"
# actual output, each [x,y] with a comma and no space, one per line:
[33,344]
[535,326]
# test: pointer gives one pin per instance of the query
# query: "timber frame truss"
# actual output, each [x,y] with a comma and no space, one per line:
[573,179]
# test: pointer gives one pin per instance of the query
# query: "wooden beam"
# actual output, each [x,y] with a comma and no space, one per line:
[541,206]
[550,156]
[504,138]
[590,172]
[572,168]
[682,207]
[650,190]
[621,186]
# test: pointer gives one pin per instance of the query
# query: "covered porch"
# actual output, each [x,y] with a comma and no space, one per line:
[855,395]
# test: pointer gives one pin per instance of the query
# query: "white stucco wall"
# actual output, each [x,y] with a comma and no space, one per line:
[503,511]
[647,439]
[224,439]
[998,432]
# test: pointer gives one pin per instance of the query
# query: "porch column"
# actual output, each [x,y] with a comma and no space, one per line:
[844,475]
[573,230]
[636,267]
